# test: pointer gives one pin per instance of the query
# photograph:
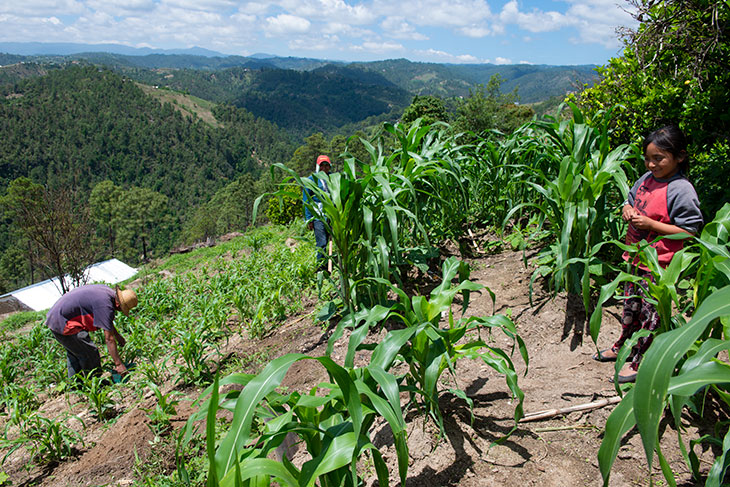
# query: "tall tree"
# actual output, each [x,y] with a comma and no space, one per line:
[428,108]
[142,216]
[57,223]
[102,202]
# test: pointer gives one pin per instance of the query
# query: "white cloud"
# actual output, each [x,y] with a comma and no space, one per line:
[399,28]
[378,47]
[535,21]
[42,8]
[120,7]
[595,20]
[254,8]
[455,13]
[475,31]
[243,18]
[442,56]
[315,44]
[502,60]
[329,11]
[285,24]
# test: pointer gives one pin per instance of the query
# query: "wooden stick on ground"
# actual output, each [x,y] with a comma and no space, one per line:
[550,413]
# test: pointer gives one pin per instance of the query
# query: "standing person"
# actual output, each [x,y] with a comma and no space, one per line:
[661,202]
[320,231]
[85,309]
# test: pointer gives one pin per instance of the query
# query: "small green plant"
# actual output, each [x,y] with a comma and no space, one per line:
[163,410]
[195,346]
[46,439]
[99,393]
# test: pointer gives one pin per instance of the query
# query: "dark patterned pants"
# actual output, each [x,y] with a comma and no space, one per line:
[638,314]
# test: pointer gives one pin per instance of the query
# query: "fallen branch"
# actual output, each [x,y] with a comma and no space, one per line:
[564,428]
[550,413]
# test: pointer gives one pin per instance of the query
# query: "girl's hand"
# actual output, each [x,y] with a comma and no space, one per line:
[628,212]
[641,222]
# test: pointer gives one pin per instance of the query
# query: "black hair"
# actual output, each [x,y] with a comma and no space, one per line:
[671,139]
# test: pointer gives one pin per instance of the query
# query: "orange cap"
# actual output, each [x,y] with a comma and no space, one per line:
[322,159]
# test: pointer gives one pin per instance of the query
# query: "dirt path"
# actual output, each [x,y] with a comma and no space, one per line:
[561,451]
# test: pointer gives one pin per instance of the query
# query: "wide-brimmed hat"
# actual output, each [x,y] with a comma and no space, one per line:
[127,300]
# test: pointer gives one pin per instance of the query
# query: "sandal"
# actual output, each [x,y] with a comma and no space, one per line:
[601,356]
[625,377]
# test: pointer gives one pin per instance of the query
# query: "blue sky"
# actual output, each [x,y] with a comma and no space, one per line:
[449,31]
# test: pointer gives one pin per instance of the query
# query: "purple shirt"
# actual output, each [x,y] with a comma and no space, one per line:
[84,308]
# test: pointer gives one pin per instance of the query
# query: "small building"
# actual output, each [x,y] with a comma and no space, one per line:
[43,295]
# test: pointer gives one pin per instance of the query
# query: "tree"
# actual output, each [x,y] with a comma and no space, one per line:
[488,108]
[102,202]
[428,108]
[304,158]
[57,224]
[142,216]
[228,210]
[12,269]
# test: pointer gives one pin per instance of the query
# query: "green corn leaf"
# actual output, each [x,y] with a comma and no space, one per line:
[658,365]
[607,292]
[210,435]
[618,424]
[257,467]
[337,452]
[386,351]
[255,390]
[666,469]
[716,476]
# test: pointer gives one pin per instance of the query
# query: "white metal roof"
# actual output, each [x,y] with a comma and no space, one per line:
[44,294]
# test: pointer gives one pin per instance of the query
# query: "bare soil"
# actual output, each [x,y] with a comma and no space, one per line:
[560,451]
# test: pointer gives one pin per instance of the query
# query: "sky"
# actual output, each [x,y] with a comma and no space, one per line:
[556,32]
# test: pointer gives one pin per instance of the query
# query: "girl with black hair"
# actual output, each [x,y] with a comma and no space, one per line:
[662,202]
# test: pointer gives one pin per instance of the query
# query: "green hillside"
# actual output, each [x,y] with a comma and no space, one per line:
[534,82]
[78,126]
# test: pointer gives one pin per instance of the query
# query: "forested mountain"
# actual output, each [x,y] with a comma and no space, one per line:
[79,126]
[534,82]
[302,102]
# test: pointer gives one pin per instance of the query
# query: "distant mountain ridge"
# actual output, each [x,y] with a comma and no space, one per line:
[69,48]
[534,82]
[303,95]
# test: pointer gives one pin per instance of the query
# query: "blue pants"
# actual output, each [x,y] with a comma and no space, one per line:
[81,352]
[320,239]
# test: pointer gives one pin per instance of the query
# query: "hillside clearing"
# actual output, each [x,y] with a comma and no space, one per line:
[559,451]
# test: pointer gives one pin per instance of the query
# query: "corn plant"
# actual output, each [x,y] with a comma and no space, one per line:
[643,405]
[428,349]
[333,421]
[164,409]
[194,347]
[46,439]
[704,270]
[8,369]
[380,210]
[100,395]
[577,201]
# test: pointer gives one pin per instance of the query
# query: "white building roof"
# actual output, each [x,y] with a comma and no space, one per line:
[44,294]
